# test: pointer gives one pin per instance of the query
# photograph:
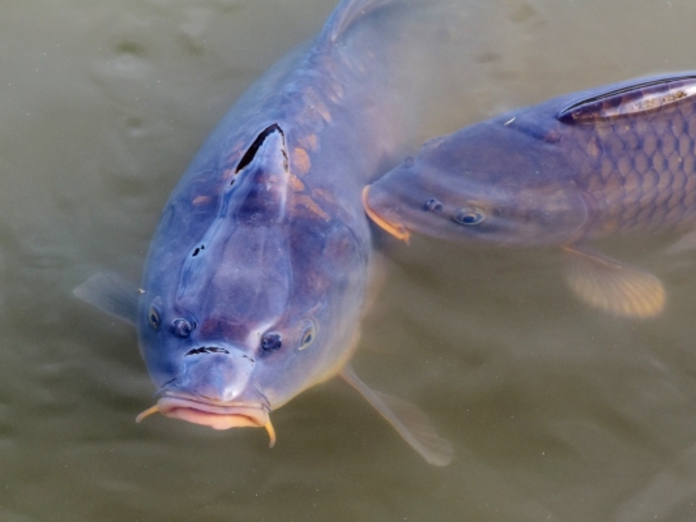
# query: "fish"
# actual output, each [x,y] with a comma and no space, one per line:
[256,278]
[613,160]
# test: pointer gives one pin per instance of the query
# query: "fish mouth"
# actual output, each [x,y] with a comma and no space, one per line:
[216,416]
[398,230]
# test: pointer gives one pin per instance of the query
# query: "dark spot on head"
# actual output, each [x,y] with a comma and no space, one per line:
[432,205]
[271,341]
[198,250]
[182,327]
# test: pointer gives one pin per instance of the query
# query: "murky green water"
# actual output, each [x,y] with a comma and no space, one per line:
[556,411]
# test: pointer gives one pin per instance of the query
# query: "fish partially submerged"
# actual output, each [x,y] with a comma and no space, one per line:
[616,159]
[255,281]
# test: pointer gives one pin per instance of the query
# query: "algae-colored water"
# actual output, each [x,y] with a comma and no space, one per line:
[557,412]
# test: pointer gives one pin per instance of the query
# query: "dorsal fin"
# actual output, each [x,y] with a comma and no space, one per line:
[632,99]
[343,17]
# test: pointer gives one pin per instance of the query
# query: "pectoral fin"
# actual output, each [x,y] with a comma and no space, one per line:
[613,286]
[686,243]
[112,294]
[411,423]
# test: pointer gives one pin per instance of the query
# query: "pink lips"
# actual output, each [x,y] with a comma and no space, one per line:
[216,416]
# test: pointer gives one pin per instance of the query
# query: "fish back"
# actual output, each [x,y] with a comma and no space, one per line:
[635,149]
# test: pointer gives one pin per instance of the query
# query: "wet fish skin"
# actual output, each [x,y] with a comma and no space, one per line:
[583,166]
[255,281]
[264,232]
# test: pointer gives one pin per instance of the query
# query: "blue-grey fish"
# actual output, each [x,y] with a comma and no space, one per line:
[616,159]
[255,280]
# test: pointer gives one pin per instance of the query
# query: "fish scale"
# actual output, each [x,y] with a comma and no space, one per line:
[611,160]
[643,174]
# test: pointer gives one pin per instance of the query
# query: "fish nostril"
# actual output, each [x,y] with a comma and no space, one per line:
[206,349]
[183,328]
[433,205]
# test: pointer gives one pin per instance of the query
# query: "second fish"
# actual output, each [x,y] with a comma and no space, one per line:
[579,167]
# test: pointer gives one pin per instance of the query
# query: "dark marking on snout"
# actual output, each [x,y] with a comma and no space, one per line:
[197,250]
[206,349]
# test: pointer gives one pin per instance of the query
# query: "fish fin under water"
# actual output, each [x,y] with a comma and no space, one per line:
[613,286]
[345,15]
[112,294]
[686,243]
[411,423]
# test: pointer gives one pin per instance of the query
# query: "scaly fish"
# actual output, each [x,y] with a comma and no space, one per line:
[255,280]
[579,167]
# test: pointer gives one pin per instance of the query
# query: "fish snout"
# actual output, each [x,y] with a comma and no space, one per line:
[214,373]
[383,212]
[214,389]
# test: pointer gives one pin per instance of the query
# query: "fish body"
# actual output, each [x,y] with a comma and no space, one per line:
[255,281]
[616,159]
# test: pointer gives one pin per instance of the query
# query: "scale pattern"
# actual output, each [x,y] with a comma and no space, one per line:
[639,170]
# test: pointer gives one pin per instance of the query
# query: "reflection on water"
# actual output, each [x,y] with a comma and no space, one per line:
[556,411]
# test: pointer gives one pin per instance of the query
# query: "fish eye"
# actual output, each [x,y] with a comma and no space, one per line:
[307,336]
[153,316]
[182,327]
[469,216]
[271,341]
[432,205]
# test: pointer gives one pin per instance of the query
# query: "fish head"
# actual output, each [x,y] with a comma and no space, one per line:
[488,182]
[257,308]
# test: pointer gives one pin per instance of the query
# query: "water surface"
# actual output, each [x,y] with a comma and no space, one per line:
[557,412]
